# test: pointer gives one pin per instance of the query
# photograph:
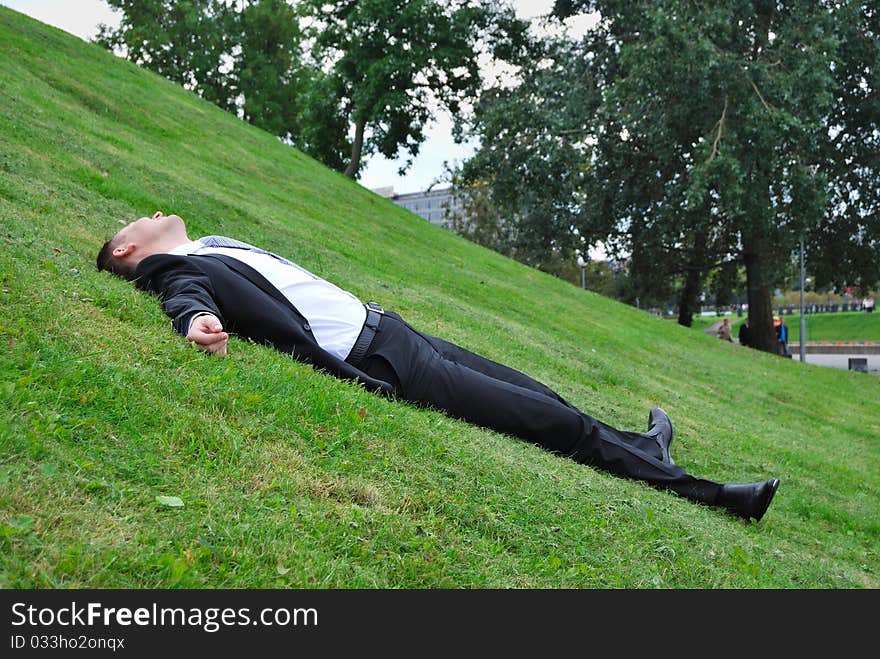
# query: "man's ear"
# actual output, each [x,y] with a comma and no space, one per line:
[123,250]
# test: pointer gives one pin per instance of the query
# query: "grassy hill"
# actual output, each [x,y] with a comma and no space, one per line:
[292,478]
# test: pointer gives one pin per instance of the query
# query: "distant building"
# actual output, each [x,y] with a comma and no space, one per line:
[429,204]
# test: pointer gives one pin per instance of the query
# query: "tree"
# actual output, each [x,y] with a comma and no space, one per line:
[532,159]
[600,278]
[538,141]
[844,249]
[268,72]
[476,217]
[391,61]
[727,284]
[702,136]
[721,104]
[186,42]
[246,56]
[378,68]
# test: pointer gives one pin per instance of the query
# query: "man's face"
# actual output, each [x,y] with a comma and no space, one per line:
[150,235]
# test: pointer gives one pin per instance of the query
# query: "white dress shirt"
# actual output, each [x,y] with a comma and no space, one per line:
[335,316]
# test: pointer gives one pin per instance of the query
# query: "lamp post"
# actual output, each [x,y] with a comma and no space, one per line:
[583,265]
[803,342]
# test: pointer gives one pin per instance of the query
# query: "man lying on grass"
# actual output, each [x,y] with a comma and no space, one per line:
[216,285]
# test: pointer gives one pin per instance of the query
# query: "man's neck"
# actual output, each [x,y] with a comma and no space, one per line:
[174,244]
[164,248]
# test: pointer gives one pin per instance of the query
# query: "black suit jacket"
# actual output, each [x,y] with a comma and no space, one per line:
[245,302]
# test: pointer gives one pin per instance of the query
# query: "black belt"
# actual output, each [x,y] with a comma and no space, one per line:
[365,338]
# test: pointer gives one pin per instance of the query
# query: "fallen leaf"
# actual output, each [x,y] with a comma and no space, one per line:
[57,250]
[362,412]
[172,502]
[282,570]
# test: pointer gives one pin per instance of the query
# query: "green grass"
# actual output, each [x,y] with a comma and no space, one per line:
[849,326]
[291,478]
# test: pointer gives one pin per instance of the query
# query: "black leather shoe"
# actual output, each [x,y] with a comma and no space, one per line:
[748,500]
[660,428]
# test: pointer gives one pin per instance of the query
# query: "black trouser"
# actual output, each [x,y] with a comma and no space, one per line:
[434,373]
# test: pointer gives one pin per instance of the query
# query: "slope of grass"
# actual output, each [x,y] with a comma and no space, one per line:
[289,477]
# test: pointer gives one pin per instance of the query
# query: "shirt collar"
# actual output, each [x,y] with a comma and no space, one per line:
[186,248]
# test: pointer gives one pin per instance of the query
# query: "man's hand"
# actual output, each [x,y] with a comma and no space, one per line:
[208,334]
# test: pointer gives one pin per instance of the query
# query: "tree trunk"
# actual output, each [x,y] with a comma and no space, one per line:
[355,164]
[756,256]
[689,300]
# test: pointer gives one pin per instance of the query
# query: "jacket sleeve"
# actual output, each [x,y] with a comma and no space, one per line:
[185,291]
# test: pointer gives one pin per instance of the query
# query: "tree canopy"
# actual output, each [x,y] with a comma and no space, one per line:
[245,57]
[392,62]
[845,245]
[702,138]
[341,79]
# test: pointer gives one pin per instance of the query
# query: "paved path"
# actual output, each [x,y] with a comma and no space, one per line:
[713,328]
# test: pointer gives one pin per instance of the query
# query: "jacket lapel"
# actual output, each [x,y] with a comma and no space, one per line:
[254,277]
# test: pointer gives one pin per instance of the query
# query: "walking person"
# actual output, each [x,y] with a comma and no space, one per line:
[744,334]
[782,336]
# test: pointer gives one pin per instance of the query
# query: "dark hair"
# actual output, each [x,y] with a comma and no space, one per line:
[106,261]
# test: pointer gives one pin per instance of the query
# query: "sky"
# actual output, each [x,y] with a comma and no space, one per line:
[82,17]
